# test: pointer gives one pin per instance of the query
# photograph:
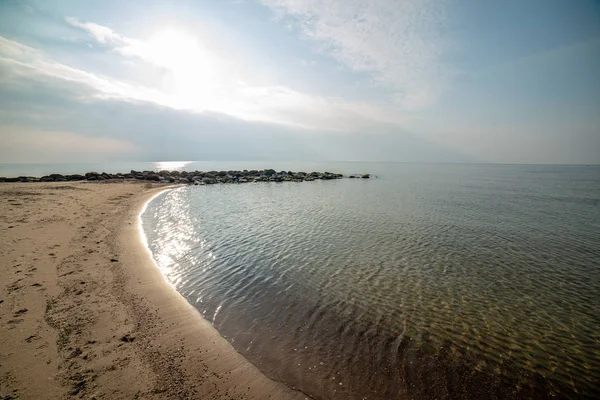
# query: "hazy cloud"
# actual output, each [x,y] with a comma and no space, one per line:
[398,41]
[101,33]
[201,87]
[44,118]
[42,145]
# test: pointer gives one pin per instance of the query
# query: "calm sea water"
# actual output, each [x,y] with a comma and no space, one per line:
[429,281]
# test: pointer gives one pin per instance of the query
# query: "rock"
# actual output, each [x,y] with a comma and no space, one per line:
[193,177]
[152,177]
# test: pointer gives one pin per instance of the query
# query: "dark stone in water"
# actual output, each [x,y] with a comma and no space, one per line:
[153,177]
[192,177]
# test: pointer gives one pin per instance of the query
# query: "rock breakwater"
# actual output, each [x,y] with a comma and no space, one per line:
[191,177]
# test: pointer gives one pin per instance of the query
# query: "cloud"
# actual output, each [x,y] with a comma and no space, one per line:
[24,61]
[49,119]
[203,88]
[398,41]
[101,33]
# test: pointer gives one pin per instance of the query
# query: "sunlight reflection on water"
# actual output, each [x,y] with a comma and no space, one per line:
[170,165]
[402,286]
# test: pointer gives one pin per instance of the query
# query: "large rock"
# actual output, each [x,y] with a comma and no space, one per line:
[153,177]
[365,176]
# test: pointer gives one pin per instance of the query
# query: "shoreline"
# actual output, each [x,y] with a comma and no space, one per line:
[86,313]
[244,380]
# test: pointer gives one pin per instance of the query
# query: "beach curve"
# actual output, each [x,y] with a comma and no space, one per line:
[85,312]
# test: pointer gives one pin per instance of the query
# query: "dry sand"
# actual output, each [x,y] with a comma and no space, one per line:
[85,313]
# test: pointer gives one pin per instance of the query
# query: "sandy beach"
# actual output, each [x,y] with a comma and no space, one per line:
[85,313]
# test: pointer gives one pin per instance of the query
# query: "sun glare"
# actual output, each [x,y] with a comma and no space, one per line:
[193,69]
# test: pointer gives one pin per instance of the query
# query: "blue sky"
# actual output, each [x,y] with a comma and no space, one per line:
[388,80]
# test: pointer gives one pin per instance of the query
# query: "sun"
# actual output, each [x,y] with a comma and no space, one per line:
[193,68]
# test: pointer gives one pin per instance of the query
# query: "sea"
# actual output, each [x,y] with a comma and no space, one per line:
[447,281]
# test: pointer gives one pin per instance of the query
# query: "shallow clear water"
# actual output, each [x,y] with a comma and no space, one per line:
[430,281]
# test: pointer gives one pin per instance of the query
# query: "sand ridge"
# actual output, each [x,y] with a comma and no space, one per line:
[85,313]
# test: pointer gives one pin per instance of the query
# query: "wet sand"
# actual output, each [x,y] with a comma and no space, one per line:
[85,313]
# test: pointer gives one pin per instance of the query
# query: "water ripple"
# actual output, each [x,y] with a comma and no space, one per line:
[425,283]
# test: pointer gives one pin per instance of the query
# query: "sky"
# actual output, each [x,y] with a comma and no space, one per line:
[300,80]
